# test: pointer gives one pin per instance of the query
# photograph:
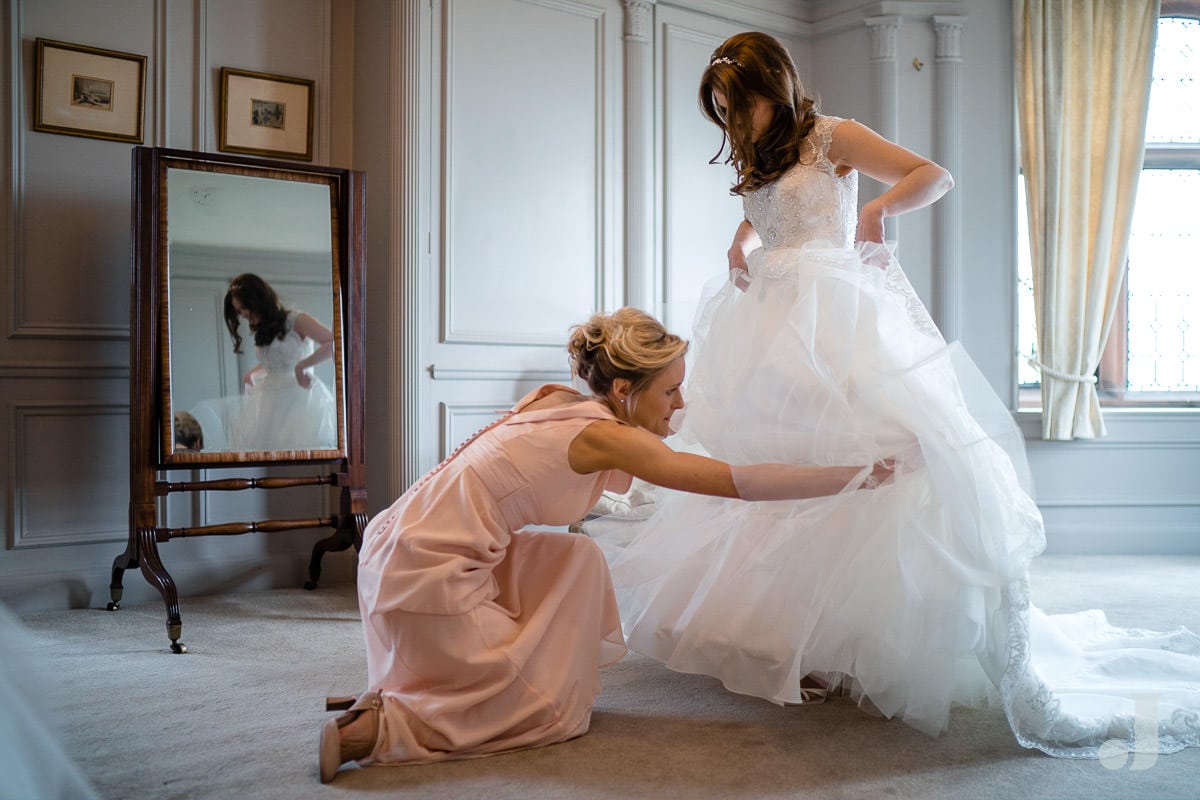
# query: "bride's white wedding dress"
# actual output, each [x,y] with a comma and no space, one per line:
[914,595]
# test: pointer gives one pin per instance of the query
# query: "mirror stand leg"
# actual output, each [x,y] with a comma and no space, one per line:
[159,578]
[330,543]
[346,536]
[127,560]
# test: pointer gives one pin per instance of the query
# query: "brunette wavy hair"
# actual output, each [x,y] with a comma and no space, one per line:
[260,299]
[747,65]
[627,343]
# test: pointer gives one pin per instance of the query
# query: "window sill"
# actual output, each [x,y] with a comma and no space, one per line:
[1029,401]
[1136,427]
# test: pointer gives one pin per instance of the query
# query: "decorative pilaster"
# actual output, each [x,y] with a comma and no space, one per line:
[405,249]
[947,212]
[885,91]
[640,286]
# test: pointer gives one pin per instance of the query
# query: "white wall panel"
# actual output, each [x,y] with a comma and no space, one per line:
[699,215]
[462,420]
[65,300]
[524,101]
[68,474]
[71,216]
[281,37]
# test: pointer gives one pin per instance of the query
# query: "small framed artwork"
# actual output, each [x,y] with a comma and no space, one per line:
[87,91]
[266,115]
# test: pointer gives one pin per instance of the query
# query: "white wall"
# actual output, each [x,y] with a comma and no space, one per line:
[492,134]
[64,353]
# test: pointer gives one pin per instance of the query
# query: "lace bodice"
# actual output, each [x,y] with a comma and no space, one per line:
[281,355]
[808,203]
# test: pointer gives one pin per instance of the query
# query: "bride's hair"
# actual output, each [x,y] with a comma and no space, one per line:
[627,343]
[744,66]
[256,295]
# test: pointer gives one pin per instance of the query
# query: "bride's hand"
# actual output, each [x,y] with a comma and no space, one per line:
[870,224]
[881,473]
[739,270]
[302,377]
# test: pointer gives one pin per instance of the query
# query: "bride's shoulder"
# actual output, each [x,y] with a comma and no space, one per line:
[826,126]
[820,138]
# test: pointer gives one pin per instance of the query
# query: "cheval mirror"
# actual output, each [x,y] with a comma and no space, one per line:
[246,331]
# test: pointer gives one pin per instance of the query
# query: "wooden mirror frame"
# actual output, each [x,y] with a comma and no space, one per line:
[186,170]
[150,422]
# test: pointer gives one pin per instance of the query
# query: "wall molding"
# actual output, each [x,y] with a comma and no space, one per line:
[161,74]
[200,98]
[453,331]
[20,413]
[72,370]
[85,585]
[771,16]
[1073,539]
[324,132]
[19,327]
[1144,501]
[450,412]
[15,102]
[835,17]
[473,374]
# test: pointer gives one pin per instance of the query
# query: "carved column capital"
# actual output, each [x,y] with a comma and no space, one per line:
[949,37]
[884,32]
[637,19]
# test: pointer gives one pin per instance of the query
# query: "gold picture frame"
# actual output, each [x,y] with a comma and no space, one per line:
[266,115]
[89,91]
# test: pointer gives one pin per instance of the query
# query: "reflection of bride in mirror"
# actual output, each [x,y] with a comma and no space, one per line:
[284,407]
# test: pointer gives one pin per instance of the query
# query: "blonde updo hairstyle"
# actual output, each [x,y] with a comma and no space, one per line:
[627,343]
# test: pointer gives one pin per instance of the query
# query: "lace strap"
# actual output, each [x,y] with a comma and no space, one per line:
[822,134]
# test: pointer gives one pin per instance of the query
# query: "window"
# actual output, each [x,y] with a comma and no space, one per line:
[1153,351]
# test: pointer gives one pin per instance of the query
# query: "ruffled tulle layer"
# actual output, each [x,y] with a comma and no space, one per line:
[915,594]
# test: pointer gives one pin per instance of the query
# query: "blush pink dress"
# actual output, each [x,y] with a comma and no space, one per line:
[482,637]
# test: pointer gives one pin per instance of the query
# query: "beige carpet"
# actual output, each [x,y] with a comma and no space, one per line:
[238,715]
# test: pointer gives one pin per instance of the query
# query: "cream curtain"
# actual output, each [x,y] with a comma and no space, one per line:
[1083,87]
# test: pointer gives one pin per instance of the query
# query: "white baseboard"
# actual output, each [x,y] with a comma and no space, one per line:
[88,588]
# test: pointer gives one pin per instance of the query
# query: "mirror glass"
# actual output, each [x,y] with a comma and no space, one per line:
[252,356]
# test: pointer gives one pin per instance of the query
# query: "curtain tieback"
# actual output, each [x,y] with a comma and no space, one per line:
[1062,376]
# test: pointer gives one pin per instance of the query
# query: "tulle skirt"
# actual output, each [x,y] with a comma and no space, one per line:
[274,414]
[914,595]
[280,414]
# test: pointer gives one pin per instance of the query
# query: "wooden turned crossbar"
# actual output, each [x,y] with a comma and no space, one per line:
[236,528]
[162,488]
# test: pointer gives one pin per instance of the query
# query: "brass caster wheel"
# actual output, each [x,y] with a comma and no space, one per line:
[178,647]
[113,605]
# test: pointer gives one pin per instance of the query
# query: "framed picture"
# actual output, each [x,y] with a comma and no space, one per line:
[266,115]
[86,91]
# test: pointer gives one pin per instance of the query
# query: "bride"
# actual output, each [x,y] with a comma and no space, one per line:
[912,598]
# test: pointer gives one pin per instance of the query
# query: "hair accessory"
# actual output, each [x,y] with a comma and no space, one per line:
[725,60]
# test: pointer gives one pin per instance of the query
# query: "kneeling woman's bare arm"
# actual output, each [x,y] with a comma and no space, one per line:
[605,445]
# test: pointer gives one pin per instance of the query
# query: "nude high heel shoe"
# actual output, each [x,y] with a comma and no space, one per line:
[349,736]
